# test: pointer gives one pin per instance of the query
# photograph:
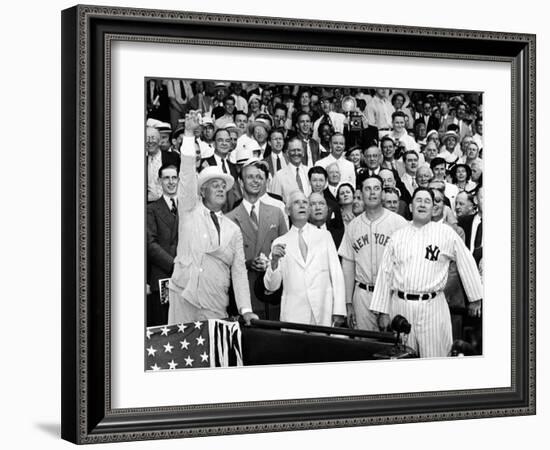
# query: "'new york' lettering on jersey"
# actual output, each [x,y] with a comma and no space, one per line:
[365,240]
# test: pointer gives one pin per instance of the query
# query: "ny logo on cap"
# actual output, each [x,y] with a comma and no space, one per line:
[432,253]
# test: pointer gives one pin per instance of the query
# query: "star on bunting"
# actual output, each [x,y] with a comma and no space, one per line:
[168,348]
[172,365]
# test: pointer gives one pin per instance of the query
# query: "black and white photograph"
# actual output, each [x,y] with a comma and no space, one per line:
[291,224]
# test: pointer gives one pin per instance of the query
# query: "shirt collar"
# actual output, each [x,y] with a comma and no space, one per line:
[168,200]
[248,206]
[207,211]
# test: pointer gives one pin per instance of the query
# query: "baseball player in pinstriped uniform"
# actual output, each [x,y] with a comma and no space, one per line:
[362,249]
[414,272]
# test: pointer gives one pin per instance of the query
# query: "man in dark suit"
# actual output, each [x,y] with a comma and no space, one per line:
[162,242]
[319,216]
[274,156]
[222,147]
[473,238]
[311,146]
[260,225]
[473,228]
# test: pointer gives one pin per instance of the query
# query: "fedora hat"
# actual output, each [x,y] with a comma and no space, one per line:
[215,173]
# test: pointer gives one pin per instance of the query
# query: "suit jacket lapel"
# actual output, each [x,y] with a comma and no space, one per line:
[265,221]
[294,249]
[244,223]
[165,214]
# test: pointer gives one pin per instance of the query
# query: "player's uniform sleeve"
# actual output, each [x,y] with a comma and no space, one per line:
[381,297]
[346,249]
[467,268]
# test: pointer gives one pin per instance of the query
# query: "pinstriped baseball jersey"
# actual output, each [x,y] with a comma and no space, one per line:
[417,260]
[365,240]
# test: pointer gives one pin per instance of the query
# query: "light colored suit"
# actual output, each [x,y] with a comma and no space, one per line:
[271,225]
[313,290]
[284,181]
[203,267]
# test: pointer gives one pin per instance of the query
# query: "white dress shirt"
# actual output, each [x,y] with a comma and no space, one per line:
[347,169]
[284,181]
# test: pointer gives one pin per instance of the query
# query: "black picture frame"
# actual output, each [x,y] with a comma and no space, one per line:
[87,33]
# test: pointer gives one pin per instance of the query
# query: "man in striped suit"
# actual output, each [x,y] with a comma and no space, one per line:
[413,274]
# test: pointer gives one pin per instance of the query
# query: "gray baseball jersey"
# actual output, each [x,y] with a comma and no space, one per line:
[364,242]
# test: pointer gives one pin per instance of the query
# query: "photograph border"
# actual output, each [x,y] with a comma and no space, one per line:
[87,35]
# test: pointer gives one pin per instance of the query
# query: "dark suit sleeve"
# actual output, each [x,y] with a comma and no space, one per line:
[156,254]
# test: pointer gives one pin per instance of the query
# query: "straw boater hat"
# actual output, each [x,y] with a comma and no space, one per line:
[230,126]
[406,98]
[449,134]
[215,173]
[207,121]
[430,133]
[259,121]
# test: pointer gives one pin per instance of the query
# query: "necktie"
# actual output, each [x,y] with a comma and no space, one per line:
[223,166]
[326,119]
[174,208]
[278,163]
[254,218]
[302,244]
[216,223]
[299,180]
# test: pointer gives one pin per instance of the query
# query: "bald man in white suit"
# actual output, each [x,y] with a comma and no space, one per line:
[306,262]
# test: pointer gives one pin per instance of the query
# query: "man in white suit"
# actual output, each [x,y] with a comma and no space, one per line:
[210,246]
[305,261]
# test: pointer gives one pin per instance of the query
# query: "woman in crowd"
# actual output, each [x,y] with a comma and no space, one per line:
[356,157]
[254,107]
[344,195]
[461,175]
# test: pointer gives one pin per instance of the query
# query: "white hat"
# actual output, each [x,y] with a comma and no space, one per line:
[230,126]
[207,121]
[448,135]
[215,173]
[246,152]
[154,123]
